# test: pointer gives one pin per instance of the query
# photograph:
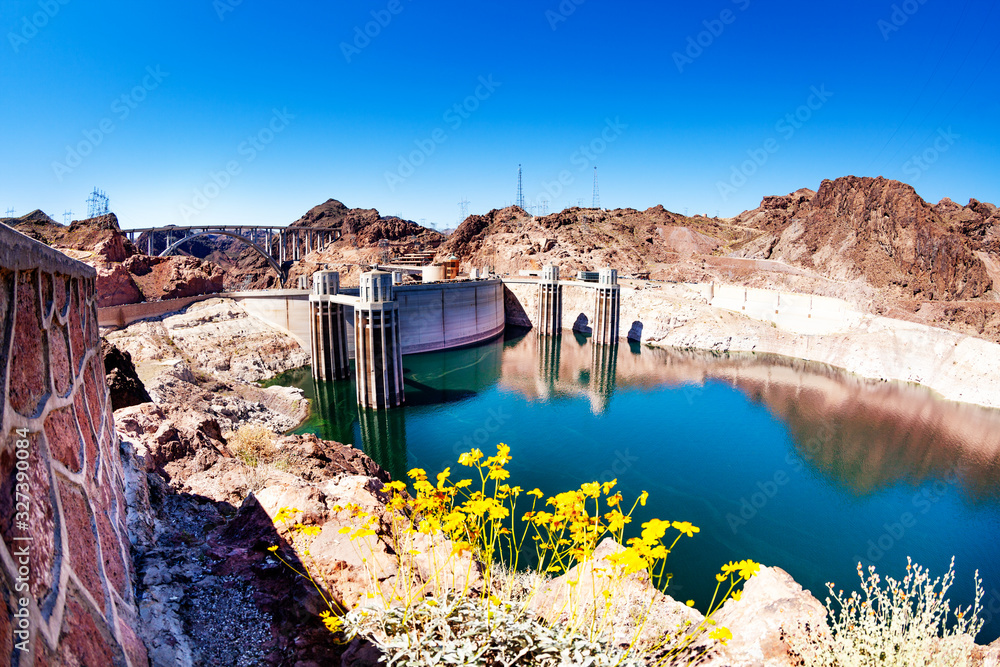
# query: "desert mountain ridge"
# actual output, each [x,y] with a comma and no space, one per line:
[874,241]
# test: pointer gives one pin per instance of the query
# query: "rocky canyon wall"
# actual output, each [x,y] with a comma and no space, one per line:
[66,589]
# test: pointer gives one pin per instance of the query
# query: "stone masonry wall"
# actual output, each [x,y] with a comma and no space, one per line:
[66,574]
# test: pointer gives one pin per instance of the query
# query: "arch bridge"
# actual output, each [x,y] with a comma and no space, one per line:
[277,244]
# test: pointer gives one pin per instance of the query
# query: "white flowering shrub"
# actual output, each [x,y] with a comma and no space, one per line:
[462,630]
[908,623]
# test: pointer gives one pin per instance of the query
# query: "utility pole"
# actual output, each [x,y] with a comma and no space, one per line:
[520,190]
[597,192]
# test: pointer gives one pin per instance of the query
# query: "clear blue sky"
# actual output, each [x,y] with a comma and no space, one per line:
[677,116]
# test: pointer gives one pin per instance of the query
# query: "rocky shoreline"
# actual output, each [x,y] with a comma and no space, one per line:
[955,366]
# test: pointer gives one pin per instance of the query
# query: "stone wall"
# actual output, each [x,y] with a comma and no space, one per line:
[66,574]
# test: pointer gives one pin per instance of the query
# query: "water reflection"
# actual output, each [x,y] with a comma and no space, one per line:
[383,433]
[430,379]
[861,435]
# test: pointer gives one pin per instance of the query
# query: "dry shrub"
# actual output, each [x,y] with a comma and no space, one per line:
[253,445]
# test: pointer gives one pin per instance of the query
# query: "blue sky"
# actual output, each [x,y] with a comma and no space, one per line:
[245,111]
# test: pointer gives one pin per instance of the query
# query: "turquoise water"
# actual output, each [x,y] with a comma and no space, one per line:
[788,463]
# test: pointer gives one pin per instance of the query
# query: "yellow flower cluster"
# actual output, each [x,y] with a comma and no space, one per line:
[481,517]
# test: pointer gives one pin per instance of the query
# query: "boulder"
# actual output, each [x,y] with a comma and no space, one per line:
[123,382]
[115,286]
[772,611]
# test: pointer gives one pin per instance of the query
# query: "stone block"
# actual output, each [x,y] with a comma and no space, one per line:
[42,524]
[29,364]
[64,439]
[82,540]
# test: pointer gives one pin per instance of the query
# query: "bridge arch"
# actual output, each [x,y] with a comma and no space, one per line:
[219,232]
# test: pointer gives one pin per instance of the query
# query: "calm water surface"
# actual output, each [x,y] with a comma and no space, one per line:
[786,462]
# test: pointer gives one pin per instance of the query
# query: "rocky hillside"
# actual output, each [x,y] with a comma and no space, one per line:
[632,241]
[124,275]
[871,240]
[880,232]
[368,237]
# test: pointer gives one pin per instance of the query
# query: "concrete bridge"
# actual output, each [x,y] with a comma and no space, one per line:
[291,244]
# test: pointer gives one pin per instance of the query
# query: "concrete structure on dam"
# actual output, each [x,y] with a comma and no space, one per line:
[609,311]
[385,321]
[378,354]
[433,316]
[601,318]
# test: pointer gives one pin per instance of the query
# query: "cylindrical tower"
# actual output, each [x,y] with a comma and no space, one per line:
[606,307]
[550,302]
[378,354]
[329,330]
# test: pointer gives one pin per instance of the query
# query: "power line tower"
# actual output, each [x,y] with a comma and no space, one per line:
[10,213]
[97,204]
[67,216]
[463,206]
[520,191]
[543,206]
[597,192]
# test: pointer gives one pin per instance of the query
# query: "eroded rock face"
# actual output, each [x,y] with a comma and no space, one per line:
[216,336]
[124,384]
[115,286]
[880,231]
[211,591]
[174,277]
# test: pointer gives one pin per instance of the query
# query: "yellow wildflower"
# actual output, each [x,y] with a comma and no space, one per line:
[686,528]
[721,634]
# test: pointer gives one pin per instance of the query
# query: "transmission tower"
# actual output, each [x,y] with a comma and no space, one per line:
[543,206]
[520,191]
[97,204]
[597,192]
[67,216]
[463,206]
[10,213]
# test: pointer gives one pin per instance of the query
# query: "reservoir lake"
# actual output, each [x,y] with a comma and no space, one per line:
[789,463]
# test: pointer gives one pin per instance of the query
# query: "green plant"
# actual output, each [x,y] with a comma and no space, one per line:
[253,444]
[908,623]
[457,544]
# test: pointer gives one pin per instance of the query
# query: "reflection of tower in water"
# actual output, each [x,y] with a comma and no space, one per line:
[603,371]
[383,435]
[549,348]
[338,405]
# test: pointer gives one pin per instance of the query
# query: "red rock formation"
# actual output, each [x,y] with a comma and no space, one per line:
[877,230]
